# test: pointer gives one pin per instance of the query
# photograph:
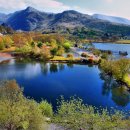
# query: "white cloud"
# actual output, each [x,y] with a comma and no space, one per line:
[82,10]
[44,5]
[11,5]
[109,1]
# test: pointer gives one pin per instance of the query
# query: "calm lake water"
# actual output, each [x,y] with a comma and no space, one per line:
[115,48]
[50,81]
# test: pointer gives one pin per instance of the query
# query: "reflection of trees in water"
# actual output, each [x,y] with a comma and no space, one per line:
[53,68]
[44,68]
[70,65]
[108,81]
[61,67]
[120,95]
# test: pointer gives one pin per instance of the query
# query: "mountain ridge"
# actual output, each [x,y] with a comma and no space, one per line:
[31,19]
[115,19]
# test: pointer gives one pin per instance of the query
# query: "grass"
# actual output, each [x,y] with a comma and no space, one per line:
[123,41]
[11,49]
[127,79]
[61,58]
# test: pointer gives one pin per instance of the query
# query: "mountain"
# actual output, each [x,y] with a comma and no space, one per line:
[2,18]
[31,19]
[112,19]
[5,29]
[28,19]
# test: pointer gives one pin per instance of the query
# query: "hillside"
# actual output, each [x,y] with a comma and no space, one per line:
[112,19]
[5,29]
[31,19]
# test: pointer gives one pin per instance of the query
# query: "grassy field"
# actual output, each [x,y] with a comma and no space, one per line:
[61,58]
[123,41]
[127,79]
[11,49]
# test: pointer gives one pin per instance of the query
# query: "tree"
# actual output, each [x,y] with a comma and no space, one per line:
[67,46]
[60,51]
[17,112]
[44,53]
[2,46]
[54,51]
[7,41]
[39,44]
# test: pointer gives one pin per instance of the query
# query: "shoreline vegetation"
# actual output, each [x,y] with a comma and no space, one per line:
[52,47]
[70,114]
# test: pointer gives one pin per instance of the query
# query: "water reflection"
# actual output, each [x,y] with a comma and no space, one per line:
[70,65]
[44,68]
[61,67]
[50,80]
[53,68]
[119,94]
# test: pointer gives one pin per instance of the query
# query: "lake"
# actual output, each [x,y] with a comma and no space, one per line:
[50,81]
[115,48]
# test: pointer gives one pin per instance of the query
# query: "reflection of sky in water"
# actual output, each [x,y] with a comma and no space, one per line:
[50,81]
[27,71]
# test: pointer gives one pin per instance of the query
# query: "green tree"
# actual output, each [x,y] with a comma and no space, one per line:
[67,45]
[54,51]
[39,44]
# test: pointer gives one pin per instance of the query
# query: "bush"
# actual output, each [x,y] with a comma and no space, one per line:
[2,46]
[70,56]
[17,112]
[96,52]
[118,69]
[84,55]
[46,109]
[25,49]
[39,44]
[54,52]
[74,115]
[67,46]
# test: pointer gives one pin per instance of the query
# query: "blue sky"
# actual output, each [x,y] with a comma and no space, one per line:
[109,7]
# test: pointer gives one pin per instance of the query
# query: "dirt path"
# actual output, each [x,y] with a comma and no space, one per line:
[54,127]
[5,56]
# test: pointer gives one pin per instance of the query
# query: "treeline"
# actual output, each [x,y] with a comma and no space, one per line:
[20,113]
[118,69]
[111,34]
[38,45]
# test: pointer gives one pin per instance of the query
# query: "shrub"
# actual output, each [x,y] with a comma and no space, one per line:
[67,46]
[2,46]
[17,112]
[54,51]
[39,44]
[84,55]
[118,69]
[74,115]
[70,56]
[46,109]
